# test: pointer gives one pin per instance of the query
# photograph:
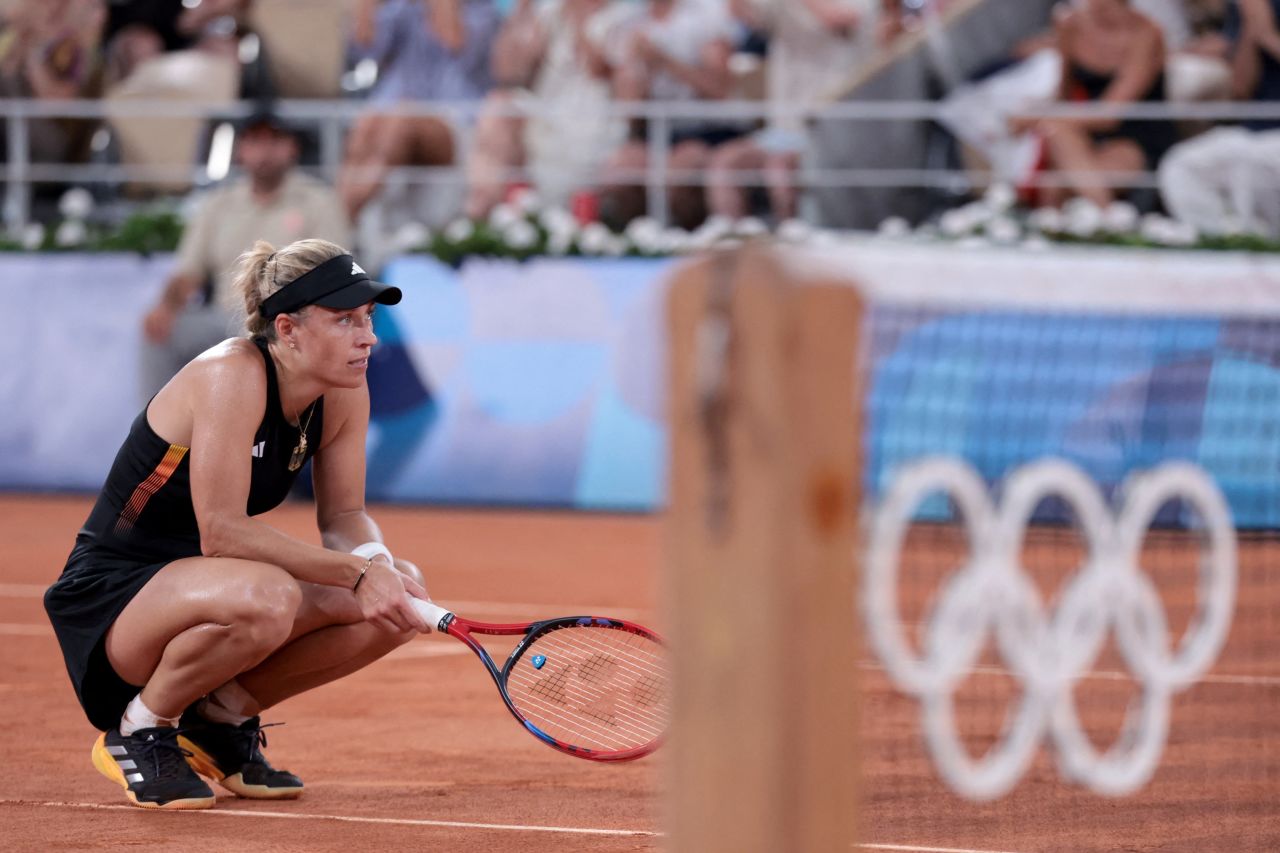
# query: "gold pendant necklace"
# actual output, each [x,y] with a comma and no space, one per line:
[300,452]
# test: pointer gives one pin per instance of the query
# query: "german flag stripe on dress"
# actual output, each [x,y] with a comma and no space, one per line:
[148,487]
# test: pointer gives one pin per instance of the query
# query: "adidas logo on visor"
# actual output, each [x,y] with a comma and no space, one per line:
[356,270]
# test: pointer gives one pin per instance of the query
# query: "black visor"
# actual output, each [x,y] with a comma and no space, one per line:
[337,283]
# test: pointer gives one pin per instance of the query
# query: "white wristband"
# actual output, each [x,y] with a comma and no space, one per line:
[369,550]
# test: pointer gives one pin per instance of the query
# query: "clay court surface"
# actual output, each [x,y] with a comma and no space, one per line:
[416,752]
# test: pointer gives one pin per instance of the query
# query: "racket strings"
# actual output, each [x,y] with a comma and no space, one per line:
[645,681]
[593,686]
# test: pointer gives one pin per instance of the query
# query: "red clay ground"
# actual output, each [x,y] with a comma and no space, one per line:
[416,752]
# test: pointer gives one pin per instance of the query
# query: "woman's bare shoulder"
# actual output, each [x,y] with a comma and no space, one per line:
[237,358]
[228,376]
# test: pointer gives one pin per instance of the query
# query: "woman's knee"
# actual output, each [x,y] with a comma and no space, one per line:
[262,602]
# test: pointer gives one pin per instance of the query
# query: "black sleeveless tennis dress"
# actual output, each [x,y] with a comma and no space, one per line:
[144,520]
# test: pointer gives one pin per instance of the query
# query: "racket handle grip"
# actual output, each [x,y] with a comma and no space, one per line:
[431,613]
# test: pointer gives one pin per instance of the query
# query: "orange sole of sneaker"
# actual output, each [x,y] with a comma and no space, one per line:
[204,765]
[107,766]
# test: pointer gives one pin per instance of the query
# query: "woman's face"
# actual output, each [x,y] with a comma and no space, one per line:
[336,343]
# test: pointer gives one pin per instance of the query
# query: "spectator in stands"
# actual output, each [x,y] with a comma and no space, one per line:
[549,64]
[272,202]
[426,50]
[1115,55]
[1228,179]
[50,50]
[676,50]
[138,30]
[814,46]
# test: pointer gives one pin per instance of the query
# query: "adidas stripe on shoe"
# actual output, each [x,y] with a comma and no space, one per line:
[152,768]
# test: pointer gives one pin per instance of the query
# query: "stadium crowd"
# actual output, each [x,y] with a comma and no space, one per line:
[540,76]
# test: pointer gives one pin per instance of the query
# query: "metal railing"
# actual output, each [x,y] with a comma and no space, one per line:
[331,118]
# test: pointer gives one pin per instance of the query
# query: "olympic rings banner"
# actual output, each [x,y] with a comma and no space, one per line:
[993,596]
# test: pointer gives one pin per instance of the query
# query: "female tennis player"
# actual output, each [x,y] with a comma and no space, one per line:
[181,617]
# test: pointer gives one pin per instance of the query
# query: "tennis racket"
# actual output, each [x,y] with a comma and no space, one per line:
[589,686]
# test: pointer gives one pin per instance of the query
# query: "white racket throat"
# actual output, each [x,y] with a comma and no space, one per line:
[431,613]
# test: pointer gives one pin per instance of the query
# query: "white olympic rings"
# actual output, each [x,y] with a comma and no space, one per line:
[1048,652]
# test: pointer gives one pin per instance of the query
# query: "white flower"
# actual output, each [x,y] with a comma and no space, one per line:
[1003,229]
[32,236]
[956,223]
[978,213]
[76,203]
[558,219]
[794,231]
[1182,234]
[594,239]
[459,230]
[70,233]
[894,228]
[616,246]
[673,240]
[1083,218]
[999,197]
[750,226]
[559,243]
[645,234]
[1167,232]
[410,236]
[520,235]
[973,241]
[1120,217]
[1036,243]
[525,200]
[714,228]
[1047,219]
[504,216]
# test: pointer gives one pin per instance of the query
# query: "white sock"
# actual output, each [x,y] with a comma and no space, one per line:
[138,716]
[230,704]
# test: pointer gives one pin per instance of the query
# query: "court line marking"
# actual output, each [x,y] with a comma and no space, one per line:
[909,848]
[394,821]
[22,590]
[448,824]
[26,629]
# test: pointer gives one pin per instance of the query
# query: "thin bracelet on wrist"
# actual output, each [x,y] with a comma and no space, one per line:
[368,561]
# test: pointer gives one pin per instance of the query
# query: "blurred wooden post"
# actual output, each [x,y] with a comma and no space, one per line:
[763,479]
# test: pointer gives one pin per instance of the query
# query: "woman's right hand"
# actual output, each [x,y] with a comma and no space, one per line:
[383,600]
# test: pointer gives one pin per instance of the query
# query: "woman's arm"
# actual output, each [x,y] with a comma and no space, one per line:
[375,30]
[519,47]
[444,18]
[1260,26]
[1143,64]
[338,473]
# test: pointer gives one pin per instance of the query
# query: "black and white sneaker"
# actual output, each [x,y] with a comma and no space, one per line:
[152,768]
[232,757]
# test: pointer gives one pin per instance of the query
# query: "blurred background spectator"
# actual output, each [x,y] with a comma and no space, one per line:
[1228,179]
[272,201]
[139,30]
[674,51]
[550,110]
[425,50]
[52,50]
[813,45]
[1113,54]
